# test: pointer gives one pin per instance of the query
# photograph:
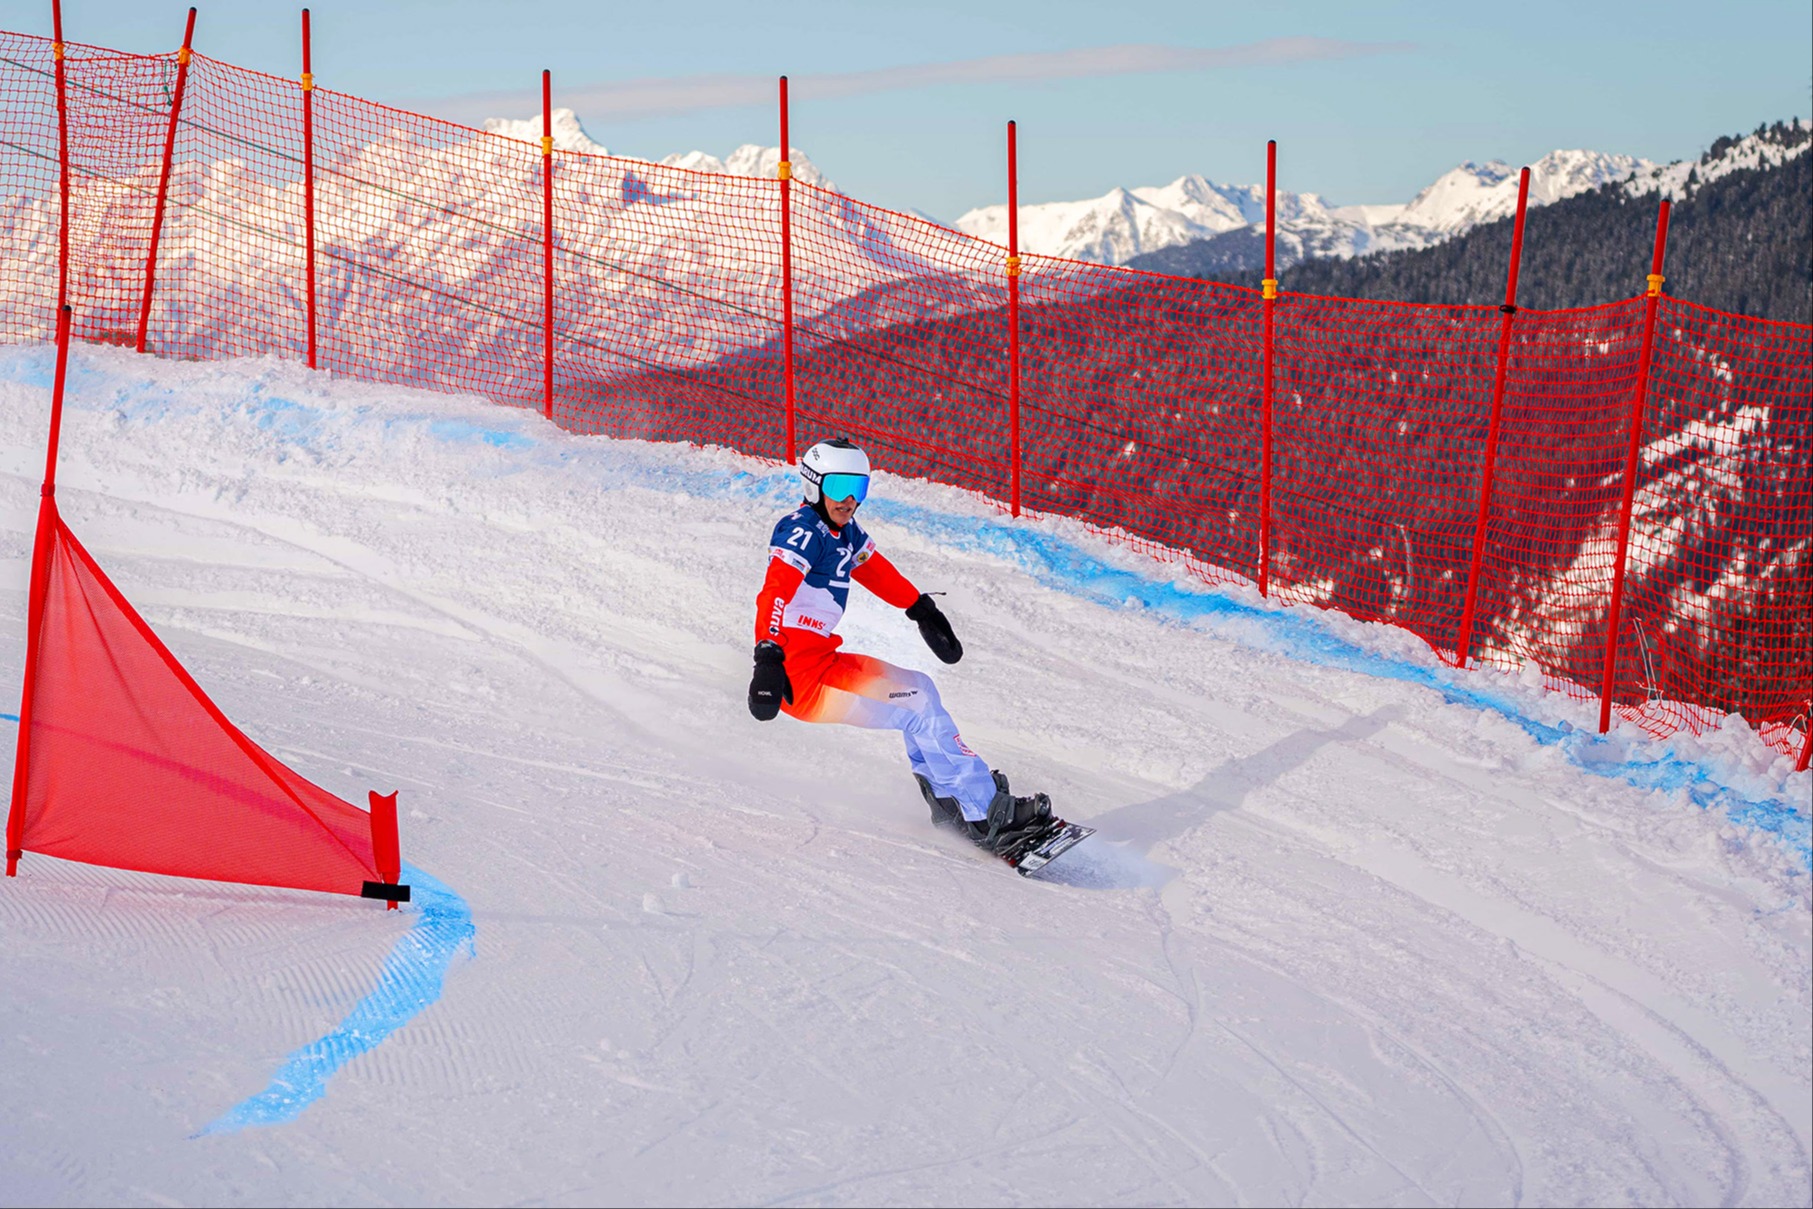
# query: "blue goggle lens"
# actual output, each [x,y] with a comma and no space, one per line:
[843,486]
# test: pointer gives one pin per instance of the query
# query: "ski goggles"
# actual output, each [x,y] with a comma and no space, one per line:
[843,486]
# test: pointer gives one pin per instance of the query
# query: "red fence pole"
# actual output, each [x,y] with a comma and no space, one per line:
[56,50]
[784,170]
[1630,467]
[547,244]
[1013,312]
[1464,644]
[308,180]
[163,180]
[1806,747]
[34,611]
[1269,300]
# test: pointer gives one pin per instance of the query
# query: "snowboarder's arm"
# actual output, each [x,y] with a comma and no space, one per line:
[778,588]
[881,577]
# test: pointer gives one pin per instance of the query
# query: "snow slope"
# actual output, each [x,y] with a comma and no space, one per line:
[1355,928]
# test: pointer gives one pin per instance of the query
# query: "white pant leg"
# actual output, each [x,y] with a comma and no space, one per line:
[908,701]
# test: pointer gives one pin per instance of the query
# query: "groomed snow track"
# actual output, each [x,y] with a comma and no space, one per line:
[1344,935]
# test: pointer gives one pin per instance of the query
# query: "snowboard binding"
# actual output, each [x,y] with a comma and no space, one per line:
[1020,830]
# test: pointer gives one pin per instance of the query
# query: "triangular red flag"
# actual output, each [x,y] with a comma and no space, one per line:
[130,764]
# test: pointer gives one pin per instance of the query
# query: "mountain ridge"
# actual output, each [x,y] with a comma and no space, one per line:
[749,159]
[1239,256]
[1126,225]
[1740,239]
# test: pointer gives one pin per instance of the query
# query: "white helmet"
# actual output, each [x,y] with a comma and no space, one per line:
[835,468]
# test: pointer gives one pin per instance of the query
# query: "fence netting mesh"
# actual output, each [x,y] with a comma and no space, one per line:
[1140,394]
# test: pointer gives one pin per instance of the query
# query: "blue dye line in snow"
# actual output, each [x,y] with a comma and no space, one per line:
[1301,634]
[412,979]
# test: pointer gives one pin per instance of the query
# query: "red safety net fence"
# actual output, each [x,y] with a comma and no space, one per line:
[1140,396]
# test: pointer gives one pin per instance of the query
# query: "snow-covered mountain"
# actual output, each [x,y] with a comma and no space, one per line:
[1472,194]
[1767,147]
[1747,191]
[569,135]
[751,159]
[452,232]
[1125,223]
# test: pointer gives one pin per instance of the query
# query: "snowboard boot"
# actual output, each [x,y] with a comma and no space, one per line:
[1012,821]
[945,811]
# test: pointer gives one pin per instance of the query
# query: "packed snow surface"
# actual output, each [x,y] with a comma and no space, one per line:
[1354,928]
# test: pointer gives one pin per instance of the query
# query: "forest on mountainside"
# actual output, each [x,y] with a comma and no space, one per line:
[1742,242]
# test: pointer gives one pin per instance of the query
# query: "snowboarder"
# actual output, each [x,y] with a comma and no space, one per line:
[815,553]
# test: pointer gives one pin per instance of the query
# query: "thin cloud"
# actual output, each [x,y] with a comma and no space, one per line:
[686,94]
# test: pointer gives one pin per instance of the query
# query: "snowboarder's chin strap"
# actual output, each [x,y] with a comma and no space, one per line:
[818,506]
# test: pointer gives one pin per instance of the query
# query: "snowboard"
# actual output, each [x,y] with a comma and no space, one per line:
[1040,850]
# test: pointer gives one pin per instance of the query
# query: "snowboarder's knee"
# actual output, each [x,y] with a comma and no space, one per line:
[915,691]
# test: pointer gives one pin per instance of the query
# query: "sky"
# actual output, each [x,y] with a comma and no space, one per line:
[904,104]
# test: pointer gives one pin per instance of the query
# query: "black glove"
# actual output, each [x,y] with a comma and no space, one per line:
[770,683]
[935,628]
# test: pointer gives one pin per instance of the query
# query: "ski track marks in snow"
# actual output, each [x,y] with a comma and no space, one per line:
[1353,927]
